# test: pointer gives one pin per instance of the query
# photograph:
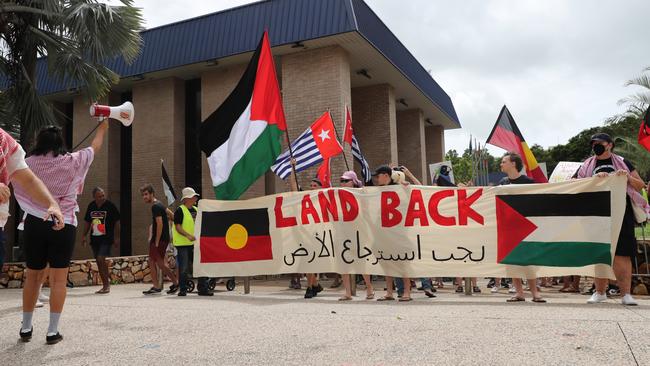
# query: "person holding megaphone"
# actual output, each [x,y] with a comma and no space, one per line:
[63,174]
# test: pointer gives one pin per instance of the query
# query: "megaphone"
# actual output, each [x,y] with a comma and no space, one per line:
[123,113]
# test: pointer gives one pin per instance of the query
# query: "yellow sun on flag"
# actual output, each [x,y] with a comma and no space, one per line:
[236,236]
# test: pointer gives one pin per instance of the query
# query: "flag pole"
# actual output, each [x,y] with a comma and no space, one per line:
[293,166]
[345,159]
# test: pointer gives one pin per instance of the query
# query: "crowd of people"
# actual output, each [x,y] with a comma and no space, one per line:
[47,182]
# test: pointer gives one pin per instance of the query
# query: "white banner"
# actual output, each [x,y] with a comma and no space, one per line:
[568,228]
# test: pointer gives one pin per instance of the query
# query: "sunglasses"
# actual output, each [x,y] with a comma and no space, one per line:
[346,180]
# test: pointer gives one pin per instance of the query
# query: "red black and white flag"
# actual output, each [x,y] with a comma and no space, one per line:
[644,133]
[351,139]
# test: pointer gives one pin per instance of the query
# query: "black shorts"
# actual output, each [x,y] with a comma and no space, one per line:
[101,246]
[626,245]
[44,246]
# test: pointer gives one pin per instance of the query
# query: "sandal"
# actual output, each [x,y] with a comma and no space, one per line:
[538,299]
[515,299]
[345,298]
[386,298]
[102,291]
[370,296]
[569,289]
[405,299]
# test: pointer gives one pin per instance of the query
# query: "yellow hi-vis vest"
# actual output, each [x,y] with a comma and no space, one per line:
[187,225]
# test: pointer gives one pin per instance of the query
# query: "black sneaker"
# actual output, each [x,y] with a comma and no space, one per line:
[182,293]
[476,289]
[206,293]
[429,293]
[309,293]
[318,288]
[151,291]
[459,289]
[172,289]
[54,339]
[25,336]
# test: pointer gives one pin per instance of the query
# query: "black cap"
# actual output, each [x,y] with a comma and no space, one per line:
[385,169]
[598,137]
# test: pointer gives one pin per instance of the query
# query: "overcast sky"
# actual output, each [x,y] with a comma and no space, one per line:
[559,65]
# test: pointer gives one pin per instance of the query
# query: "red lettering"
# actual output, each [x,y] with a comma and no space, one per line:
[416,210]
[280,220]
[390,216]
[308,209]
[434,201]
[464,206]
[328,205]
[349,205]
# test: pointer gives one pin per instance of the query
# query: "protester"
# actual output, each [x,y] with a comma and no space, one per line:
[50,232]
[313,286]
[158,242]
[184,239]
[603,163]
[349,180]
[103,223]
[512,165]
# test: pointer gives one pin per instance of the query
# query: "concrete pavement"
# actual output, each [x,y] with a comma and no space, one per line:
[275,325]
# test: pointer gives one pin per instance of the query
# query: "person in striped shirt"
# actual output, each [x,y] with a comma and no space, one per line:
[63,174]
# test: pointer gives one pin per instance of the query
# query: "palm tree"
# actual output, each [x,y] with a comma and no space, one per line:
[77,36]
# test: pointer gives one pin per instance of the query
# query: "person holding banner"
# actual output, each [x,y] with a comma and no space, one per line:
[349,180]
[603,163]
[49,233]
[512,165]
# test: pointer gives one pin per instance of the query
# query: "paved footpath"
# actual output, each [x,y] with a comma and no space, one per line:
[276,326]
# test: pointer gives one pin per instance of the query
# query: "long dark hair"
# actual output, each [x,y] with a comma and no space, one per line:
[50,139]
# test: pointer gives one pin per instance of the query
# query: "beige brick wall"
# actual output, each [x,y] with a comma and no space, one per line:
[411,142]
[374,120]
[158,132]
[216,85]
[314,81]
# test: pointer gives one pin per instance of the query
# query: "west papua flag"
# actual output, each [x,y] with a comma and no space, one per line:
[242,137]
[354,144]
[506,135]
[313,146]
[644,134]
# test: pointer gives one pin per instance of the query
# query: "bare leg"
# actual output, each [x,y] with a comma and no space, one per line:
[58,280]
[623,271]
[154,273]
[347,285]
[31,288]
[389,286]
[166,271]
[369,289]
[407,287]
[102,266]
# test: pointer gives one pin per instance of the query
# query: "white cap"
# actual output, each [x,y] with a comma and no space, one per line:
[188,192]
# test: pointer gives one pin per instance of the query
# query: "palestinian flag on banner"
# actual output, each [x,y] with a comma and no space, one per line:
[506,135]
[235,236]
[242,137]
[549,229]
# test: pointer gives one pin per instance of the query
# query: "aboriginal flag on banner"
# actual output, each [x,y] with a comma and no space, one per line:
[548,229]
[235,236]
[644,132]
[506,135]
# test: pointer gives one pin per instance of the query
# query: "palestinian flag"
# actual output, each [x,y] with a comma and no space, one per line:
[235,236]
[644,134]
[242,137]
[506,135]
[557,230]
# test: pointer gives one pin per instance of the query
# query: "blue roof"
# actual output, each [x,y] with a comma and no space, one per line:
[237,30]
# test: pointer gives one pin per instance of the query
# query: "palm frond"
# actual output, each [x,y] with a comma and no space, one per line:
[641,80]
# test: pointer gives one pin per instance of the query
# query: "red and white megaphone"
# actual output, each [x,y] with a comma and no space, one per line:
[123,113]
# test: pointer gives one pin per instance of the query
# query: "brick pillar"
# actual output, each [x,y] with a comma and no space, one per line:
[158,133]
[410,142]
[374,120]
[216,85]
[99,172]
[434,137]
[314,81]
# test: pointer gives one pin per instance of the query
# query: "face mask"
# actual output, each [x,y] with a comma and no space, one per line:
[599,149]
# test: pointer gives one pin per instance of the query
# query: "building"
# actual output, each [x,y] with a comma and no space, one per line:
[329,54]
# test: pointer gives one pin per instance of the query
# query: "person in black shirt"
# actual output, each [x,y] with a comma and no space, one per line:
[603,163]
[512,164]
[103,223]
[159,241]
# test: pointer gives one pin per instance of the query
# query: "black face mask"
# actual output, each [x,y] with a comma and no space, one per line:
[599,149]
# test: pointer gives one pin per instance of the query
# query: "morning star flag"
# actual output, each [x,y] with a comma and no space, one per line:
[168,187]
[644,134]
[506,135]
[242,137]
[316,144]
[354,144]
[517,230]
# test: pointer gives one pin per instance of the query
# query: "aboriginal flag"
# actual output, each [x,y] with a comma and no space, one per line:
[235,236]
[506,135]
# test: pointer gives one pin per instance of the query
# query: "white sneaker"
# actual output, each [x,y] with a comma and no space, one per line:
[495,289]
[512,290]
[38,304]
[596,298]
[43,298]
[629,300]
